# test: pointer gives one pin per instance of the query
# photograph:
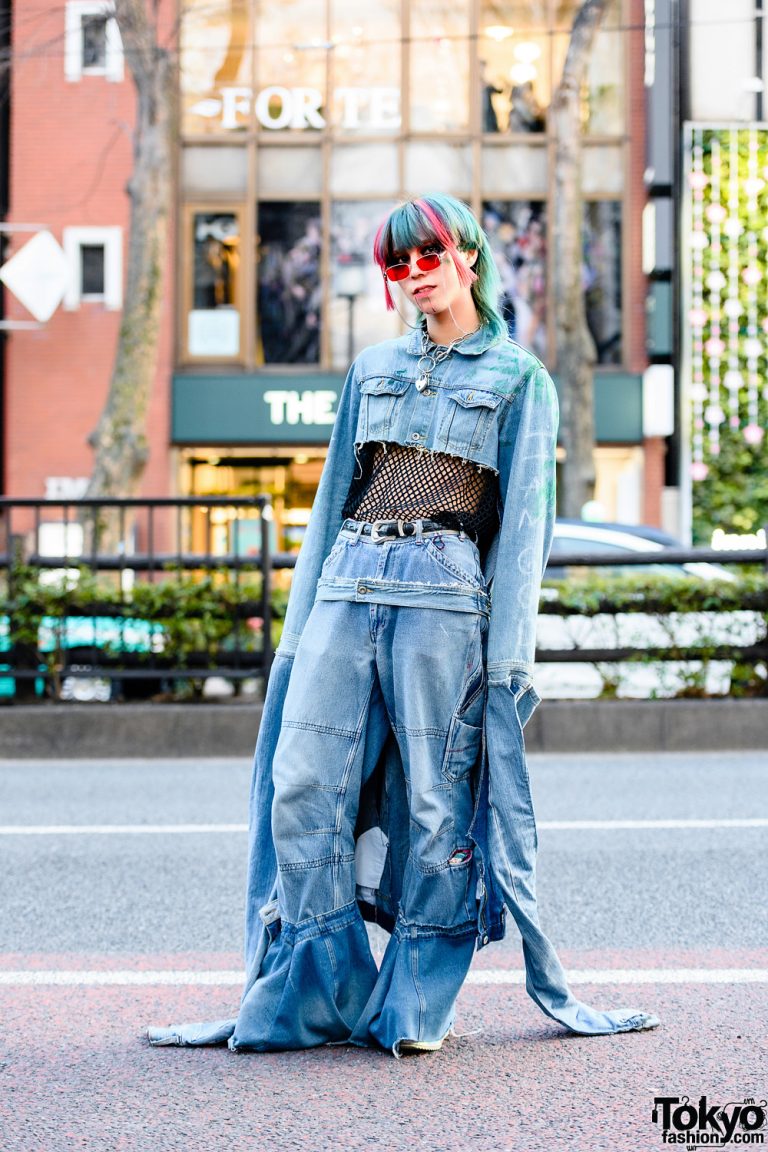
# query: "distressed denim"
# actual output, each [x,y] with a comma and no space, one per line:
[492,403]
[367,665]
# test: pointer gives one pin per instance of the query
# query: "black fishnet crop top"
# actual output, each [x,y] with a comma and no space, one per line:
[401,483]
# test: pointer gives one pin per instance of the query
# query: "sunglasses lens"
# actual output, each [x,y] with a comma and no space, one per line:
[427,263]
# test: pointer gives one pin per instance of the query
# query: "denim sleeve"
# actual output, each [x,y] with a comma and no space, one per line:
[325,519]
[527,456]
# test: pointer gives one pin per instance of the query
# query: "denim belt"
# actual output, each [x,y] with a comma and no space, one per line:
[389,529]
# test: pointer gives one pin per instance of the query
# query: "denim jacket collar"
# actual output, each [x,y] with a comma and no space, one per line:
[472,345]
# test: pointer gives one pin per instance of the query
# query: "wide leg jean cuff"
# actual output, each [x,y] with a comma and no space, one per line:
[420,977]
[313,984]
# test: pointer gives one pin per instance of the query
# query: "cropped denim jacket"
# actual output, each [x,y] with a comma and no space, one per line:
[494,404]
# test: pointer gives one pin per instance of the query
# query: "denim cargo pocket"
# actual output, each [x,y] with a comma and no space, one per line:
[462,751]
[380,397]
[468,416]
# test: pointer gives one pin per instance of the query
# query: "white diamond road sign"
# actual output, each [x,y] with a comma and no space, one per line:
[38,275]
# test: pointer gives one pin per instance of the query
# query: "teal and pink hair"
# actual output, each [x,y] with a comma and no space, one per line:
[443,220]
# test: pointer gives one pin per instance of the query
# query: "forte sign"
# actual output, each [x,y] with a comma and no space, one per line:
[277,108]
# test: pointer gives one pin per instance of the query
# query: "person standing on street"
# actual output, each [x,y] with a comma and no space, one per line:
[390,781]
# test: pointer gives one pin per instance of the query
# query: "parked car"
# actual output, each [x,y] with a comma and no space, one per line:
[633,629]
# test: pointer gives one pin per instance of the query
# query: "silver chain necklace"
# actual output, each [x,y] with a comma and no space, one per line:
[433,354]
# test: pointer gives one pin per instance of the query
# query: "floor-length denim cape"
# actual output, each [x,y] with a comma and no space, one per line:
[492,403]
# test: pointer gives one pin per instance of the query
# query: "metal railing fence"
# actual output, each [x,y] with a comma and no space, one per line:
[222,545]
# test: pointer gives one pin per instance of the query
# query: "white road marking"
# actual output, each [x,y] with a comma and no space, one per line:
[648,825]
[115,829]
[495,976]
[632,976]
[543,826]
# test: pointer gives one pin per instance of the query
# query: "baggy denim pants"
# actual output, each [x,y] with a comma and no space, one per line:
[394,643]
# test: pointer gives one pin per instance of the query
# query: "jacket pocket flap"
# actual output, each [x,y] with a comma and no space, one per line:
[385,386]
[472,398]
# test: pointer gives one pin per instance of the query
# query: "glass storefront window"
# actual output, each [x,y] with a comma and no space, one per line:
[287,72]
[366,65]
[514,169]
[291,66]
[281,170]
[365,168]
[215,66]
[517,232]
[438,167]
[602,169]
[289,476]
[289,292]
[214,171]
[213,314]
[514,66]
[439,65]
[602,277]
[358,313]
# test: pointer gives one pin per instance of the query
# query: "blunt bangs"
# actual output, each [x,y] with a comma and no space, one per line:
[405,228]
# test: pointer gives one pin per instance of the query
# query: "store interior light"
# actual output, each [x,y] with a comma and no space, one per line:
[523,73]
[526,52]
[499,32]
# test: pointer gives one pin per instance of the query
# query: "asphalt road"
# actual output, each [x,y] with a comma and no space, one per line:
[669,918]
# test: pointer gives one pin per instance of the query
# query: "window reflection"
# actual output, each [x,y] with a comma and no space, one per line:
[291,65]
[215,66]
[358,312]
[214,320]
[514,66]
[522,52]
[602,277]
[366,65]
[517,232]
[439,72]
[289,283]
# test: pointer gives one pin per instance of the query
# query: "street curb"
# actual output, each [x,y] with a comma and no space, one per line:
[108,731]
[648,726]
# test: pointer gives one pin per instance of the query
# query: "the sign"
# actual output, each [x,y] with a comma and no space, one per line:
[277,408]
[277,108]
[38,275]
[268,408]
[286,406]
[214,332]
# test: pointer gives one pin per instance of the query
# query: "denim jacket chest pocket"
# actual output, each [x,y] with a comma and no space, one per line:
[384,405]
[467,421]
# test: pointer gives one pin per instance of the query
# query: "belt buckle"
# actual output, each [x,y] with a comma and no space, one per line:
[376,536]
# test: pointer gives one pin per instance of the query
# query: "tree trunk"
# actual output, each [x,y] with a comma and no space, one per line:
[119,440]
[575,350]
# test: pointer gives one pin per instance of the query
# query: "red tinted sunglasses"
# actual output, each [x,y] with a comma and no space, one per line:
[428,262]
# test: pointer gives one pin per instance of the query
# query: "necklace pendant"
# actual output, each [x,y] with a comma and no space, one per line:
[422,383]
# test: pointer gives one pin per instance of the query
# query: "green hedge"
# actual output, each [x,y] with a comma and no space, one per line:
[201,616]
